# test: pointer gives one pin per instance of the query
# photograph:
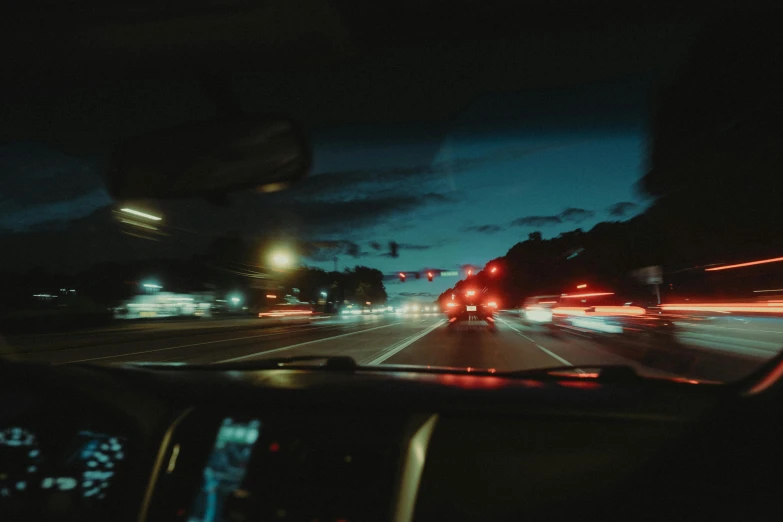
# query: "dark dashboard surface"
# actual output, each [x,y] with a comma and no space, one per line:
[133,443]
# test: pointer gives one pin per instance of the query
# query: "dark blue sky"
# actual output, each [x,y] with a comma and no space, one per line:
[454,200]
[456,148]
[527,180]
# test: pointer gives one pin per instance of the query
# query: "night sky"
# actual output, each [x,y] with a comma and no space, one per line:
[456,148]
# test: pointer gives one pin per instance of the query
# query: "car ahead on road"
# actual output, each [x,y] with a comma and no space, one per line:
[538,309]
[471,306]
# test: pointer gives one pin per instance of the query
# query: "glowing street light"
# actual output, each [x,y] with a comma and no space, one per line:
[281,259]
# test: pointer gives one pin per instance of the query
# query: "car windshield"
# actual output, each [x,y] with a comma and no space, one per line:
[502,187]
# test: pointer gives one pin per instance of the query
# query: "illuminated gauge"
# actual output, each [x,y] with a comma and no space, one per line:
[100,457]
[20,461]
[17,436]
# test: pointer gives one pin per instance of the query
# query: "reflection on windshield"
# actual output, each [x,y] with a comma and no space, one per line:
[558,212]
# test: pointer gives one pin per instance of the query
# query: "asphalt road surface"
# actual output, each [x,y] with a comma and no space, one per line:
[422,340]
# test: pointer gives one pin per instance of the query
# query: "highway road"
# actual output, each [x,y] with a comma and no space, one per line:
[399,340]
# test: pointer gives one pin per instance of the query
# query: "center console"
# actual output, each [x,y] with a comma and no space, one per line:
[291,465]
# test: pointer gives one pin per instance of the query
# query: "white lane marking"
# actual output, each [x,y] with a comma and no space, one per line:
[548,352]
[401,345]
[303,344]
[289,330]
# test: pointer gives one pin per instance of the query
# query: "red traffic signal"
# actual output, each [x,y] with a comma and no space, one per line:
[494,269]
[402,277]
[429,276]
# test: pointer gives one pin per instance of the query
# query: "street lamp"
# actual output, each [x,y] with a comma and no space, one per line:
[281,259]
[323,294]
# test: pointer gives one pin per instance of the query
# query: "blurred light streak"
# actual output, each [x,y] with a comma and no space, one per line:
[569,310]
[581,286]
[586,295]
[141,214]
[773,290]
[284,313]
[771,308]
[740,265]
[596,324]
[538,315]
[620,310]
[137,224]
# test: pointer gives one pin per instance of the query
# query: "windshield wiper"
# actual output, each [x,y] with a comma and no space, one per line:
[601,372]
[332,363]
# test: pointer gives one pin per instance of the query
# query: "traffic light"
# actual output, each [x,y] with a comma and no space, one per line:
[470,273]
[429,277]
[402,277]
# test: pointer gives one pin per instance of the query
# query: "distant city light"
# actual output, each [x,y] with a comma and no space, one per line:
[583,285]
[141,214]
[323,294]
[271,296]
[150,285]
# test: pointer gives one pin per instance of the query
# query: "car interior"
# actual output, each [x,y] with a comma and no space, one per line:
[292,441]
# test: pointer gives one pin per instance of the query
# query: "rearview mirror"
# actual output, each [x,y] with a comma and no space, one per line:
[209,160]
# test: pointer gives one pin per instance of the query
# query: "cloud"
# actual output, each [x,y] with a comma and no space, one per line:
[575,215]
[408,246]
[536,221]
[484,229]
[568,215]
[621,209]
[326,250]
[379,182]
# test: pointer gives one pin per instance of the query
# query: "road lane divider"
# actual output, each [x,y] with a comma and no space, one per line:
[399,346]
[118,355]
[548,352]
[274,350]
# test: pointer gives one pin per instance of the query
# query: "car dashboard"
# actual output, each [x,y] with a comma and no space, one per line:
[136,443]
